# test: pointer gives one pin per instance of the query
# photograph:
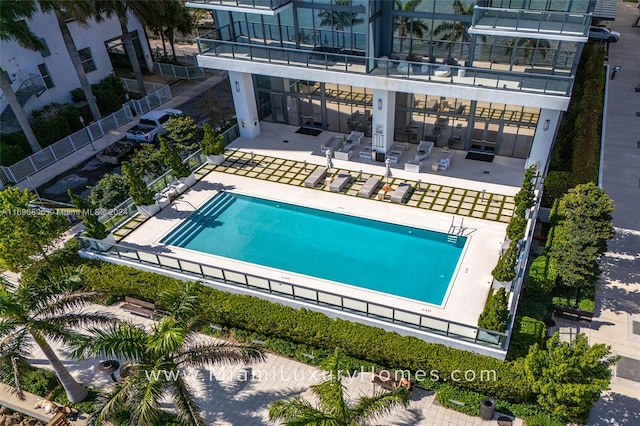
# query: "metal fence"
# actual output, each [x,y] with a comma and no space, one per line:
[177,71]
[49,155]
[304,294]
[149,102]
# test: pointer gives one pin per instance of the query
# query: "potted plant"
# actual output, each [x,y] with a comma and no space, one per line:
[212,146]
[180,170]
[139,191]
[93,228]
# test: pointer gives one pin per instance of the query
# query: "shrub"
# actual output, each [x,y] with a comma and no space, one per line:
[11,154]
[109,94]
[211,141]
[496,311]
[110,191]
[505,270]
[527,332]
[148,160]
[516,228]
[171,157]
[556,184]
[54,122]
[182,131]
[316,330]
[463,401]
[138,190]
[542,274]
[93,228]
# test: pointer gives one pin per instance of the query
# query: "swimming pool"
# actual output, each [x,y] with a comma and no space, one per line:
[384,257]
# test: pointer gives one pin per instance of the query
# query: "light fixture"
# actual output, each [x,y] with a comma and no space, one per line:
[546,125]
[237,87]
[380,104]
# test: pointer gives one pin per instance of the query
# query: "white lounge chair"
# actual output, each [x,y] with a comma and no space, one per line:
[316,177]
[444,161]
[369,187]
[424,150]
[340,182]
[334,143]
[355,137]
[366,152]
[401,193]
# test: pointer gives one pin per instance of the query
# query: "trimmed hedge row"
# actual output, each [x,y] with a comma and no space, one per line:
[317,330]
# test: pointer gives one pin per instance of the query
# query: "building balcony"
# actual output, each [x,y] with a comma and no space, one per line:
[261,7]
[537,24]
[321,63]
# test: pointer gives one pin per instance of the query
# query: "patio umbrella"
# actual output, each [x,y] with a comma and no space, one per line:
[387,170]
[329,159]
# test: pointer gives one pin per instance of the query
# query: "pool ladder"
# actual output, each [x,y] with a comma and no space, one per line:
[455,230]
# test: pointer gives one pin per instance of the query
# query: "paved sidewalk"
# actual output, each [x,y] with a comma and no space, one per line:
[617,315]
[241,394]
[182,92]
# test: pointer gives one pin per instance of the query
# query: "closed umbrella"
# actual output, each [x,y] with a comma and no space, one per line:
[387,170]
[329,159]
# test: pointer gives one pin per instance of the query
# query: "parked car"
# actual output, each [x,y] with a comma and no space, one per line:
[150,125]
[602,33]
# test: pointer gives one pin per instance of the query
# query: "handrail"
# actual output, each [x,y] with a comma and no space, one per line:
[379,311]
[529,82]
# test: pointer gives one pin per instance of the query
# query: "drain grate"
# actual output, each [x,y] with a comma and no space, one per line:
[628,368]
[635,327]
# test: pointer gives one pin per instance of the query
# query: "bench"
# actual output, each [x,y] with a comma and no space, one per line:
[387,380]
[316,177]
[139,307]
[572,314]
[59,419]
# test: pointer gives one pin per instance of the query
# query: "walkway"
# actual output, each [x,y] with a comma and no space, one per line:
[182,92]
[617,317]
[240,395]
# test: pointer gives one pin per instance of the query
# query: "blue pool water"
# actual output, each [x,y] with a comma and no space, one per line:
[408,262]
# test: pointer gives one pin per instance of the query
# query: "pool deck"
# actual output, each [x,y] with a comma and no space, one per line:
[472,279]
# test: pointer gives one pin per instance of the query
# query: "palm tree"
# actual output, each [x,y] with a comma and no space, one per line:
[166,17]
[453,31]
[13,27]
[120,9]
[332,408]
[340,20]
[80,11]
[42,309]
[531,46]
[155,359]
[405,25]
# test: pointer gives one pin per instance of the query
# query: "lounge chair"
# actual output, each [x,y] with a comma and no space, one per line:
[366,152]
[369,187]
[444,161]
[401,193]
[334,143]
[355,137]
[316,177]
[424,150]
[340,182]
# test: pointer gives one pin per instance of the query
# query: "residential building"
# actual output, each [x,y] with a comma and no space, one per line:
[491,76]
[43,77]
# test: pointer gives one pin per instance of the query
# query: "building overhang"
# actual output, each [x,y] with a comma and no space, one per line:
[511,97]
[266,7]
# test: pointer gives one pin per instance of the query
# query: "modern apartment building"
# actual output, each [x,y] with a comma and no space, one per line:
[42,77]
[491,76]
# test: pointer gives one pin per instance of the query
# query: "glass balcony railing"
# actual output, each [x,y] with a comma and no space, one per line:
[339,60]
[240,4]
[529,23]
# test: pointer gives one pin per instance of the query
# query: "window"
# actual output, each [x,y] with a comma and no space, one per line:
[87,60]
[46,77]
[45,48]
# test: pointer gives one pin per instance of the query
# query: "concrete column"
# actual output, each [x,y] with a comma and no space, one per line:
[384,108]
[543,139]
[244,99]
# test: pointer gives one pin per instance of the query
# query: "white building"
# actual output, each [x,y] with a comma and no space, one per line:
[43,77]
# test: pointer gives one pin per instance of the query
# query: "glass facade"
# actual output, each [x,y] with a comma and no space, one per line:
[435,41]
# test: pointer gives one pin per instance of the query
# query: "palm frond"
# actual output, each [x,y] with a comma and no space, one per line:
[122,341]
[369,408]
[207,354]
[166,337]
[188,409]
[330,395]
[61,303]
[299,412]
[145,396]
[111,404]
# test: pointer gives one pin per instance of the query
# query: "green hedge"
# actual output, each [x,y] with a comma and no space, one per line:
[527,332]
[315,329]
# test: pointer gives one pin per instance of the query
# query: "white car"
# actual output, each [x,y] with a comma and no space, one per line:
[150,125]
[602,33]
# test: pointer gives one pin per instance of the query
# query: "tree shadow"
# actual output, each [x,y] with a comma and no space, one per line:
[615,409]
[617,299]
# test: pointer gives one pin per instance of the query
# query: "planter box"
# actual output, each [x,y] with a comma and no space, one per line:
[189,180]
[215,159]
[148,210]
